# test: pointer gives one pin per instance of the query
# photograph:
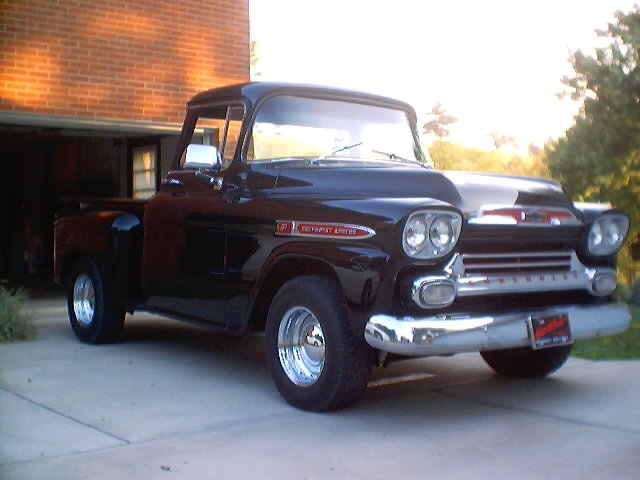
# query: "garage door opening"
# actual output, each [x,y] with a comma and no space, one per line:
[45,169]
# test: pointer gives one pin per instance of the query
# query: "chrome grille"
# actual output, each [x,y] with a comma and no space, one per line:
[516,263]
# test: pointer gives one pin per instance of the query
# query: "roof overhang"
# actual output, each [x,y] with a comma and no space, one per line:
[68,122]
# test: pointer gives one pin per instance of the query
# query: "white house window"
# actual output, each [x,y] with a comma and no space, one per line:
[144,171]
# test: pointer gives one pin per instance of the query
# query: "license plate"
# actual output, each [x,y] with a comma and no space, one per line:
[550,331]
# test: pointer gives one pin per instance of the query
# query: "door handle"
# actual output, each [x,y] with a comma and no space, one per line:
[217,182]
[205,176]
[229,187]
[172,182]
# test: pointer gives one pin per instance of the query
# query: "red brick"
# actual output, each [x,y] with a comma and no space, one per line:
[117,58]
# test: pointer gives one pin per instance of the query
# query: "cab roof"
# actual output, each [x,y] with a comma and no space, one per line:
[252,92]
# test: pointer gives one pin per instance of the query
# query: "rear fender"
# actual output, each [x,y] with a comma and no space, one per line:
[112,239]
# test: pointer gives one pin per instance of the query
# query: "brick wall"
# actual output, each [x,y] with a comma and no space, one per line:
[131,60]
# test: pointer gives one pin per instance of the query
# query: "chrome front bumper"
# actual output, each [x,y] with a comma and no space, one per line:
[449,334]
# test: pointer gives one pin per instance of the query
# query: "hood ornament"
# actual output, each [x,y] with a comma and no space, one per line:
[525,216]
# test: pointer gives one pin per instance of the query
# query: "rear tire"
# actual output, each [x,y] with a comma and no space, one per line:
[94,319]
[526,362]
[316,361]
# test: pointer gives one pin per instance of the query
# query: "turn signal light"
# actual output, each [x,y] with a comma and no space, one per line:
[433,293]
[604,283]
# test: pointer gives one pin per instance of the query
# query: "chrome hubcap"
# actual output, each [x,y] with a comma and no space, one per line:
[84,300]
[301,346]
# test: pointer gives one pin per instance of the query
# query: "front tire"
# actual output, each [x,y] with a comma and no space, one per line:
[526,362]
[316,361]
[94,319]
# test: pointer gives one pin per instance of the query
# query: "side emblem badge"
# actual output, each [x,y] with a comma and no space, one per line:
[293,228]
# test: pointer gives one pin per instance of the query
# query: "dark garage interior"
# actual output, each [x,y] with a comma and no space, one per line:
[45,171]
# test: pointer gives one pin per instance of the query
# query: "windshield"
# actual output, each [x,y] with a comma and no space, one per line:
[288,127]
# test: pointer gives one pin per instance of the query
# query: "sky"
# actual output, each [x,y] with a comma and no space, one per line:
[496,65]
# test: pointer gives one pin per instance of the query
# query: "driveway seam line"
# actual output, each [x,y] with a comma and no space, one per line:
[68,417]
[537,412]
[61,456]
[225,426]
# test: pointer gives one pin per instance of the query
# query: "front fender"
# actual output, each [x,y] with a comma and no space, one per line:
[357,269]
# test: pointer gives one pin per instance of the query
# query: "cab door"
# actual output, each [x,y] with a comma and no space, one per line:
[185,225]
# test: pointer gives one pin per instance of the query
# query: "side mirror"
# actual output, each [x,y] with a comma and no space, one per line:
[202,157]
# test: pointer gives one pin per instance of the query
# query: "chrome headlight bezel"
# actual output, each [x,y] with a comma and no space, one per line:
[431,233]
[606,234]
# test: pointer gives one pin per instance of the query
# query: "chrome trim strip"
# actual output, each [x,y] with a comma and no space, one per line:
[550,253]
[449,334]
[496,266]
[577,277]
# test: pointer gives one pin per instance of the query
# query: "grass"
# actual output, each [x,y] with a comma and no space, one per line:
[621,346]
[15,324]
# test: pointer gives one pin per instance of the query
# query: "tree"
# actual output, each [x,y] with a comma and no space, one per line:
[451,156]
[438,124]
[598,159]
[534,150]
[254,59]
[500,140]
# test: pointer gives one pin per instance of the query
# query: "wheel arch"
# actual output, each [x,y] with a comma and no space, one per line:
[280,272]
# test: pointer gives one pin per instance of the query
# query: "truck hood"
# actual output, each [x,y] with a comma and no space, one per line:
[469,192]
[478,190]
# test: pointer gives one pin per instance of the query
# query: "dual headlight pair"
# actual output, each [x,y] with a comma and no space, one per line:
[607,234]
[433,233]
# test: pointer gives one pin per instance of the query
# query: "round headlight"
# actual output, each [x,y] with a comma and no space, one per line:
[441,232]
[415,233]
[431,233]
[595,236]
[607,234]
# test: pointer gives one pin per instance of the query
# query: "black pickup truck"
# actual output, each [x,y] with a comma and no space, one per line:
[312,214]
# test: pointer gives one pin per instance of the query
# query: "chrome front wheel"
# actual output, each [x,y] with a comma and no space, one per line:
[316,359]
[301,346]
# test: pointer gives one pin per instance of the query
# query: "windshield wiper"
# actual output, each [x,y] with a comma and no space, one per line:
[392,156]
[341,149]
[348,147]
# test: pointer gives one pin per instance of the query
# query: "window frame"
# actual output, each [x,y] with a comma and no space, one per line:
[410,113]
[190,127]
[138,145]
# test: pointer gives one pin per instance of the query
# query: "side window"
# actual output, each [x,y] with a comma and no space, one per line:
[143,171]
[219,126]
[232,132]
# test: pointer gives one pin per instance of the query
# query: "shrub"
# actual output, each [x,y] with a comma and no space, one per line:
[15,323]
[634,293]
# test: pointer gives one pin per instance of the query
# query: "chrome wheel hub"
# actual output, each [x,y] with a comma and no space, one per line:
[301,346]
[84,300]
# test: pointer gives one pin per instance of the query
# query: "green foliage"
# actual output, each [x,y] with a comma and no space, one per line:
[599,157]
[634,293]
[500,140]
[450,156]
[623,345]
[15,324]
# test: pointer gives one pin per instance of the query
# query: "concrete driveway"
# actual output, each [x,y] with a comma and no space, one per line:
[172,402]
